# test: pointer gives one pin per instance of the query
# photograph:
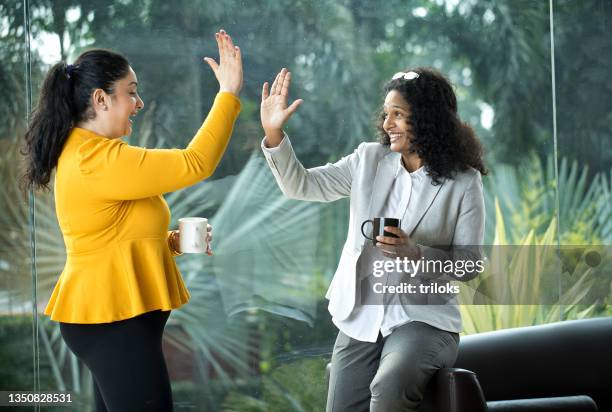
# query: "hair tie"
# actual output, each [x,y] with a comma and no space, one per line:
[70,69]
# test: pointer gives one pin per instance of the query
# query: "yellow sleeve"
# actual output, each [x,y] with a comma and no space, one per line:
[116,170]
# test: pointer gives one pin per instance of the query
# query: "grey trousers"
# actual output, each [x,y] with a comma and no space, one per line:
[390,374]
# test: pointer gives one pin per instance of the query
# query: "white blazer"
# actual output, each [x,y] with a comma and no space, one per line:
[450,214]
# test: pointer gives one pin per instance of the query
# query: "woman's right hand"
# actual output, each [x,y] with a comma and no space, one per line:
[274,111]
[229,70]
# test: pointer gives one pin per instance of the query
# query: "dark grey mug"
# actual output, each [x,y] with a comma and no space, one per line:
[379,224]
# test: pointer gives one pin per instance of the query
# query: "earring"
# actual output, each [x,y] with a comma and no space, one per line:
[105,107]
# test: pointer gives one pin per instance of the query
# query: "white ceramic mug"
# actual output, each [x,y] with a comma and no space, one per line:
[193,234]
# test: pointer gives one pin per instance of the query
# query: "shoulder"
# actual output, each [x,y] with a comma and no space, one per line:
[95,151]
[467,178]
[372,149]
[368,154]
[468,184]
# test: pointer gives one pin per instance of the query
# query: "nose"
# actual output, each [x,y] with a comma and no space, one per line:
[139,104]
[388,123]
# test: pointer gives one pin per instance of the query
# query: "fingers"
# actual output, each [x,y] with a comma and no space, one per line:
[264,92]
[227,49]
[402,238]
[275,83]
[396,231]
[231,50]
[238,55]
[209,239]
[285,84]
[281,84]
[221,46]
[212,63]
[388,240]
[293,107]
[229,44]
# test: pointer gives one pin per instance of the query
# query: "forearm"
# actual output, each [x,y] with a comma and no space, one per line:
[212,138]
[320,184]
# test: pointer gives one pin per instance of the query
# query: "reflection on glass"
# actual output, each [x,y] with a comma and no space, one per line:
[16,321]
[582,37]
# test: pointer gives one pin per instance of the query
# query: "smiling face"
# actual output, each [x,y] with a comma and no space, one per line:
[125,102]
[396,122]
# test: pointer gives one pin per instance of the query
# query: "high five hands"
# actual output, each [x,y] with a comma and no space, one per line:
[229,69]
[274,111]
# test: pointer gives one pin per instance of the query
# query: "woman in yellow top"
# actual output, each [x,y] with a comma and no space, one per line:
[120,280]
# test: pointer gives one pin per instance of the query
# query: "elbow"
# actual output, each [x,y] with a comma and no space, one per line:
[208,172]
[291,194]
[290,191]
[201,164]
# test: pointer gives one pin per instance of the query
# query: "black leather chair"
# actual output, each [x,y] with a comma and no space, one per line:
[555,367]
[454,389]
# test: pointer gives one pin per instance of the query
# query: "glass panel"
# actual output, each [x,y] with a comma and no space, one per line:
[497,54]
[16,319]
[582,44]
[59,370]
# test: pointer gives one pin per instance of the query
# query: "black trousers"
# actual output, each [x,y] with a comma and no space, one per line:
[126,361]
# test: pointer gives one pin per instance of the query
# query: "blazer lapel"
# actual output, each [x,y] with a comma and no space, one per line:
[385,174]
[423,204]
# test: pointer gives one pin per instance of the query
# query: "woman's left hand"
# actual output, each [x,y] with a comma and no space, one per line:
[398,247]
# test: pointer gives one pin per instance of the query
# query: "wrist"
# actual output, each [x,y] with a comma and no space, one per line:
[174,242]
[273,137]
[229,90]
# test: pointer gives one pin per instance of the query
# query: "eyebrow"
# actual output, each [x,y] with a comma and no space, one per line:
[397,107]
[131,83]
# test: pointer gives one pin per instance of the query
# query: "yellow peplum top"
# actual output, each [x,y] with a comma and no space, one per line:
[114,220]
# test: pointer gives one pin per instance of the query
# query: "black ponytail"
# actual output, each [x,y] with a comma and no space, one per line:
[64,101]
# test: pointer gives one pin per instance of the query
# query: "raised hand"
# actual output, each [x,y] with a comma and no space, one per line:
[229,69]
[274,111]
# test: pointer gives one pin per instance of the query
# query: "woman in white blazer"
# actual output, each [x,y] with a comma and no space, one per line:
[425,170]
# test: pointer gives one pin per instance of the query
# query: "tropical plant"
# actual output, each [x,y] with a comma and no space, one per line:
[527,196]
[533,282]
[299,386]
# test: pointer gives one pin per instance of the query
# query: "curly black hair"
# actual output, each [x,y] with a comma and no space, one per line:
[444,143]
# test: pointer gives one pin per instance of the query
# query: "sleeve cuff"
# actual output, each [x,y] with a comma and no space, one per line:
[231,98]
[267,149]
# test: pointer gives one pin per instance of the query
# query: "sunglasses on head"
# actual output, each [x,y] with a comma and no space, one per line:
[405,75]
